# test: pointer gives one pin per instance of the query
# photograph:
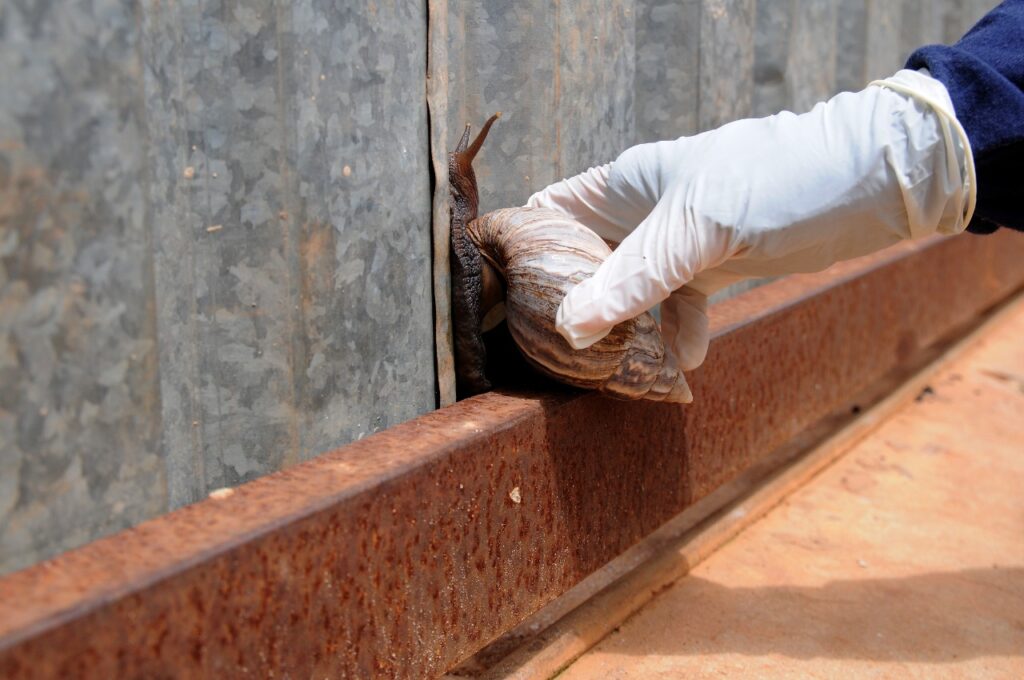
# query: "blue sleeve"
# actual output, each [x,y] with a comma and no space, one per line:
[984,73]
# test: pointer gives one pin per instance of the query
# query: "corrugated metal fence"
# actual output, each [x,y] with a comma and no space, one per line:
[215,216]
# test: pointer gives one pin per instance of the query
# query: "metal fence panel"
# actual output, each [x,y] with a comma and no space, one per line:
[216,225]
[216,250]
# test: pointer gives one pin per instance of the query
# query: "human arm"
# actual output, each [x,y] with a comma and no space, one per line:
[763,197]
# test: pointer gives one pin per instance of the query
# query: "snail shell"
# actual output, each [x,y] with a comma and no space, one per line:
[541,254]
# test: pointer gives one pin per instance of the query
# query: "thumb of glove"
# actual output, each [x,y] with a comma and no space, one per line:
[659,257]
[684,325]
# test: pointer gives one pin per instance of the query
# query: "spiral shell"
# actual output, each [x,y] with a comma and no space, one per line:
[542,254]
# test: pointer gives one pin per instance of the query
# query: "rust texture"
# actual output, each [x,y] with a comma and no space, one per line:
[399,555]
[885,564]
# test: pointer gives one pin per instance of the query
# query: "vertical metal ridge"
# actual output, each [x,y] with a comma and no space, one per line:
[437,116]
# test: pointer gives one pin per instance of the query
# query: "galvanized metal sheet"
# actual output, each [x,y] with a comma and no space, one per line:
[294,255]
[811,65]
[79,409]
[875,37]
[882,56]
[794,68]
[399,555]
[562,76]
[217,240]
[921,23]
[961,15]
[437,103]
[851,45]
[726,61]
[216,243]
[667,63]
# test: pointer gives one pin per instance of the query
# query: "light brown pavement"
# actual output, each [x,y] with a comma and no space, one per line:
[903,559]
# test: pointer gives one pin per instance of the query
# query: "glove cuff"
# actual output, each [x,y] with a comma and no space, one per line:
[922,87]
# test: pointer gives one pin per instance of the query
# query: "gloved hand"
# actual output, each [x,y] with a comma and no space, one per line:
[763,197]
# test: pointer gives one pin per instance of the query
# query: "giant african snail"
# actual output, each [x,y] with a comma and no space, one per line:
[531,257]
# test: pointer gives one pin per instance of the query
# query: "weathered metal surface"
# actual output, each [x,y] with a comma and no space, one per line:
[215,242]
[882,54]
[921,23]
[562,76]
[667,62]
[292,260]
[214,227]
[402,553]
[594,118]
[79,415]
[772,41]
[794,68]
[437,103]
[960,15]
[726,61]
[875,37]
[851,45]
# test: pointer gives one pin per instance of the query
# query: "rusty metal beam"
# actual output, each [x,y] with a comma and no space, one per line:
[401,554]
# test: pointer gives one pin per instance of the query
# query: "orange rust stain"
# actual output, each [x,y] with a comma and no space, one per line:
[902,560]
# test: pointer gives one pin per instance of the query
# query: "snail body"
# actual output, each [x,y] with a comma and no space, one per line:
[532,257]
[467,269]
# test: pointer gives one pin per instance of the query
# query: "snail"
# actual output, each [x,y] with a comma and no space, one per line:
[528,259]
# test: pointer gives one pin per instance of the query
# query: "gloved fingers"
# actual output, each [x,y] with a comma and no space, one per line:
[584,198]
[613,199]
[659,257]
[685,327]
[710,281]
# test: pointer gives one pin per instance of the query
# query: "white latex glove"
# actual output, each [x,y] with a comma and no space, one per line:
[763,197]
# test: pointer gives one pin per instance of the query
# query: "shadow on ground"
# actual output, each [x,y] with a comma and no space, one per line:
[936,618]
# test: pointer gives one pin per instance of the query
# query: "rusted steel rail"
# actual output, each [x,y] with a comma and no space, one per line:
[403,553]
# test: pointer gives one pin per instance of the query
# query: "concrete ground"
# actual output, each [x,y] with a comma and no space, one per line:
[903,559]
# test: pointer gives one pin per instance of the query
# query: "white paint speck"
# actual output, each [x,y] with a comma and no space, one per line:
[515,495]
